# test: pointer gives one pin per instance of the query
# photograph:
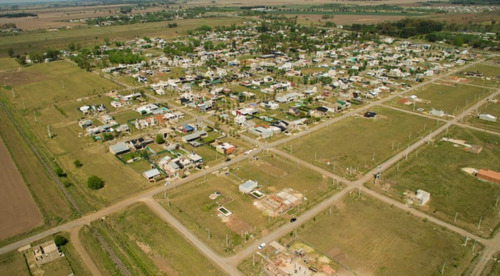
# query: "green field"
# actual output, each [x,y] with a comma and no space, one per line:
[437,170]
[487,108]
[372,238]
[191,204]
[100,258]
[358,143]
[13,263]
[452,99]
[147,245]
[29,41]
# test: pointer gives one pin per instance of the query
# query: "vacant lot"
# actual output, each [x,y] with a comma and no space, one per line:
[437,170]
[13,263]
[146,245]
[191,203]
[372,238]
[19,212]
[451,98]
[488,108]
[354,145]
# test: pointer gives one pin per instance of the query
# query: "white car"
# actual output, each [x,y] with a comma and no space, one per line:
[262,245]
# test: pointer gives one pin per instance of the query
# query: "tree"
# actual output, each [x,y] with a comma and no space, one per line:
[95,183]
[10,51]
[60,240]
[60,172]
[159,139]
[77,163]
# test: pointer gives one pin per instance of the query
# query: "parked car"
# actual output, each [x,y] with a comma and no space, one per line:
[262,245]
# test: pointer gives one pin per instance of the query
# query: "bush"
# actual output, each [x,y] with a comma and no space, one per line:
[95,183]
[159,139]
[60,240]
[60,172]
[77,163]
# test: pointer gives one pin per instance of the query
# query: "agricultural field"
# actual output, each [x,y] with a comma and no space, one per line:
[488,108]
[373,238]
[451,98]
[19,211]
[193,207]
[144,243]
[437,170]
[353,146]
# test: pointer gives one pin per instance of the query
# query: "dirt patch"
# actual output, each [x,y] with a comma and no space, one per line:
[21,77]
[271,169]
[144,247]
[19,212]
[337,255]
[238,225]
[163,266]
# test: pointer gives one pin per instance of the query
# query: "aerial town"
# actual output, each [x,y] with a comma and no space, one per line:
[220,138]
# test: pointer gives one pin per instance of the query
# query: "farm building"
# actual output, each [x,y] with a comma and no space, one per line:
[151,174]
[423,196]
[248,186]
[488,175]
[118,148]
[488,117]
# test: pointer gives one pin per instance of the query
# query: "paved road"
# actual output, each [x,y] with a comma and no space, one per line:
[229,264]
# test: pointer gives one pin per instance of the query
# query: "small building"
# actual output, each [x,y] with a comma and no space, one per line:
[193,136]
[118,148]
[488,175]
[224,148]
[437,113]
[151,174]
[248,186]
[423,197]
[488,117]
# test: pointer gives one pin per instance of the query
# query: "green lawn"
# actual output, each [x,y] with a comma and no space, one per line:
[437,170]
[191,204]
[358,143]
[373,238]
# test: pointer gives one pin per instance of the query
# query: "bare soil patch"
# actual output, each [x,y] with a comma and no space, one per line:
[271,169]
[18,211]
[21,77]
[238,225]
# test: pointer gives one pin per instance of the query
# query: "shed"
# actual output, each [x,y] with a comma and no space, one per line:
[488,117]
[248,186]
[118,148]
[423,196]
[150,174]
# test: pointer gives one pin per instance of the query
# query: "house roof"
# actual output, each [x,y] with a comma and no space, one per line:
[151,173]
[118,148]
[249,184]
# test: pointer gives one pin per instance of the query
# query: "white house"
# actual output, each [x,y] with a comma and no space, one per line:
[248,186]
[423,196]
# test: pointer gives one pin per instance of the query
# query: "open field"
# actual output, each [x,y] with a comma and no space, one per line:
[372,238]
[19,211]
[142,230]
[488,108]
[13,263]
[452,98]
[100,258]
[191,203]
[347,19]
[437,170]
[91,35]
[491,75]
[355,145]
[53,206]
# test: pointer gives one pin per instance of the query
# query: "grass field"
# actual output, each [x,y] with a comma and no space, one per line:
[144,243]
[372,238]
[27,42]
[437,170]
[191,203]
[452,99]
[13,263]
[488,108]
[358,143]
[489,71]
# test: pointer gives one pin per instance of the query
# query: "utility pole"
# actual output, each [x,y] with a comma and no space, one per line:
[48,130]
[479,224]
[455,219]
[442,269]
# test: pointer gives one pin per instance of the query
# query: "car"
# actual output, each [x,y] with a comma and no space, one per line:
[262,245]
[293,219]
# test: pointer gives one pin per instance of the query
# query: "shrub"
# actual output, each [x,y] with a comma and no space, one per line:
[95,183]
[60,240]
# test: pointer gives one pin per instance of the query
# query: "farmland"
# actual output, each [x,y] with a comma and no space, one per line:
[370,238]
[437,170]
[191,203]
[346,151]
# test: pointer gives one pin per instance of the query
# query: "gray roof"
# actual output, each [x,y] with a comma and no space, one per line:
[151,173]
[118,148]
